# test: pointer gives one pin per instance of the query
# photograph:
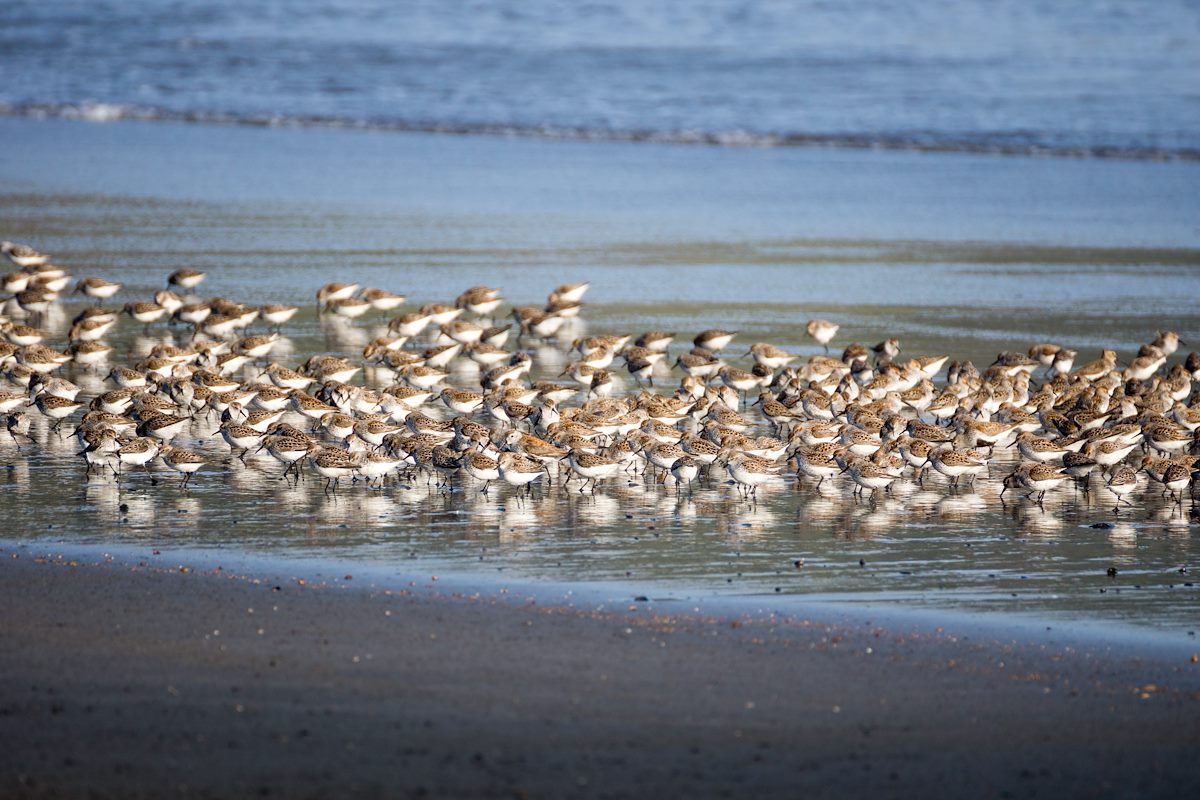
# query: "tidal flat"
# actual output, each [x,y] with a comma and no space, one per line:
[246,636]
[1087,253]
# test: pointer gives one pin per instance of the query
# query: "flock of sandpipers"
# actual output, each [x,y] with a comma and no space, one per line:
[868,416]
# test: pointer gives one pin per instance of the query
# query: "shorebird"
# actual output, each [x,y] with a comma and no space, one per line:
[658,341]
[591,467]
[23,255]
[333,464]
[240,437]
[518,470]
[748,472]
[182,461]
[685,470]
[277,314]
[887,349]
[818,462]
[18,423]
[383,300]
[1037,478]
[570,292]
[869,475]
[137,453]
[770,356]
[1122,480]
[822,330]
[56,408]
[714,340]
[335,291]
[955,464]
[349,307]
[186,278]
[481,301]
[97,288]
[145,313]
[481,468]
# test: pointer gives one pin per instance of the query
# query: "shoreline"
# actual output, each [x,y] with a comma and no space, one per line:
[1107,636]
[736,139]
[135,681]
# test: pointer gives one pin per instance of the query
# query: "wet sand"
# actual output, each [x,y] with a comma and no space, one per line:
[138,679]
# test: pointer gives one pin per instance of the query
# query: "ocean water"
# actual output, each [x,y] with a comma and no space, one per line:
[1112,77]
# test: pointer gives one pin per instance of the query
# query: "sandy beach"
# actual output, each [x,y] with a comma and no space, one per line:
[151,678]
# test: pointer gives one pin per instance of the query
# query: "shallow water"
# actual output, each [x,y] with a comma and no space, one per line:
[924,545]
[1088,254]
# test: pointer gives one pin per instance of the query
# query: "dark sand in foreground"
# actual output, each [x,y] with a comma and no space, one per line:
[122,680]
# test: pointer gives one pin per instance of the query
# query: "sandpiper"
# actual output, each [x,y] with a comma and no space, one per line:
[519,470]
[482,301]
[277,314]
[655,340]
[333,464]
[749,472]
[1099,368]
[685,470]
[591,467]
[382,300]
[698,365]
[286,378]
[376,466]
[57,408]
[770,356]
[349,307]
[288,449]
[335,291]
[14,282]
[869,475]
[1080,466]
[90,330]
[714,340]
[18,424]
[145,313]
[186,278]
[410,325]
[1037,478]
[817,462]
[954,464]
[137,453]
[1122,480]
[163,426]
[240,437]
[570,292]
[481,468]
[11,401]
[182,461]
[887,349]
[422,377]
[1176,479]
[1038,449]
[23,255]
[440,314]
[97,288]
[22,335]
[1168,342]
[822,330]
